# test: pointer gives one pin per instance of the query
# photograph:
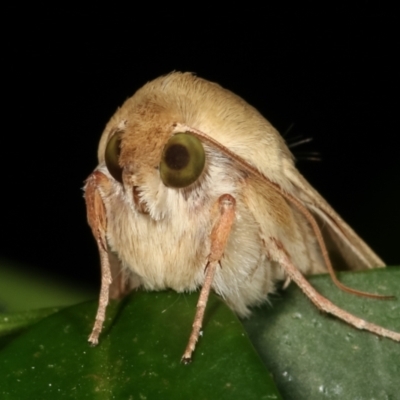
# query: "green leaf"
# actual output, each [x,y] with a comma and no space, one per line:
[21,286]
[11,325]
[138,356]
[314,356]
[310,355]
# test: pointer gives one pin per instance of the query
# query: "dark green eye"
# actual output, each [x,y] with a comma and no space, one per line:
[111,156]
[182,160]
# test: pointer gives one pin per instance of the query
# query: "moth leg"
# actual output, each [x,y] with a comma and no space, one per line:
[280,255]
[96,214]
[123,280]
[219,238]
[286,283]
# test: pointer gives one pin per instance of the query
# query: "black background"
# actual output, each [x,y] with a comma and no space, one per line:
[332,73]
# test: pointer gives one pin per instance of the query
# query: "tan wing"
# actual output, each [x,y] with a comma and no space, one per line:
[347,249]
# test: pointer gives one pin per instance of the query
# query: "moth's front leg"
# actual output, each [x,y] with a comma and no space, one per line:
[219,238]
[113,282]
[97,218]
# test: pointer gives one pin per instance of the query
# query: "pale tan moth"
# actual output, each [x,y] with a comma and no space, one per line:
[195,189]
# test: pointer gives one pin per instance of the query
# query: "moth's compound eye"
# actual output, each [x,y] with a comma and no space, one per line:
[182,161]
[111,156]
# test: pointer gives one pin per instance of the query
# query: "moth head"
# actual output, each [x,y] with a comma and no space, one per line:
[182,161]
[158,170]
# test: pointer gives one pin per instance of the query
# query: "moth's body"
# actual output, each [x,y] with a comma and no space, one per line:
[246,220]
[168,246]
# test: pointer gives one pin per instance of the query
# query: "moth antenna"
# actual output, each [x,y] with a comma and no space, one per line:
[322,246]
[295,202]
[320,301]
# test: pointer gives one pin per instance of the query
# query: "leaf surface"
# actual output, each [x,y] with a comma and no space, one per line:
[315,356]
[138,356]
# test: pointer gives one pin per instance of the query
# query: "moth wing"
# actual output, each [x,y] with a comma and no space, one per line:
[279,221]
[347,250]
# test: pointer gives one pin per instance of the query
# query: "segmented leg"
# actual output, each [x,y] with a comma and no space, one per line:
[219,238]
[280,255]
[97,219]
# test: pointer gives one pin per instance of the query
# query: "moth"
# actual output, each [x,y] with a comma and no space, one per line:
[196,189]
